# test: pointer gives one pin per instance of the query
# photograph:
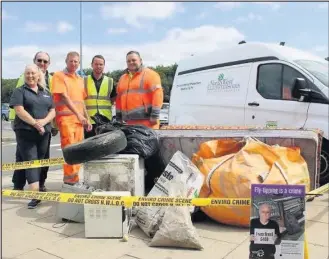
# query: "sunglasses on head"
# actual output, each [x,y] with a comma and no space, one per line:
[42,61]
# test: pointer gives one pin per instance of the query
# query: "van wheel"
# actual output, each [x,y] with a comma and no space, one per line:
[324,172]
[95,147]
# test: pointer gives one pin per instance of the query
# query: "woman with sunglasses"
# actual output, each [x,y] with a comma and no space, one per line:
[42,60]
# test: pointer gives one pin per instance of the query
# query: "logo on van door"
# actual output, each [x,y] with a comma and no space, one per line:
[223,84]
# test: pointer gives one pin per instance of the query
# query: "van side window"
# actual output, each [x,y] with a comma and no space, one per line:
[275,81]
[269,81]
[289,76]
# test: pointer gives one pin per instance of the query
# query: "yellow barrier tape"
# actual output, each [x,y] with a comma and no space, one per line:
[320,190]
[127,201]
[135,201]
[317,192]
[33,164]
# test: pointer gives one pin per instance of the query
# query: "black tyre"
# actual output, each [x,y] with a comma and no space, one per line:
[3,117]
[324,172]
[96,147]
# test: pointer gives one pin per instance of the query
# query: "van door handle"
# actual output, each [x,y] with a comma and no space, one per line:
[253,104]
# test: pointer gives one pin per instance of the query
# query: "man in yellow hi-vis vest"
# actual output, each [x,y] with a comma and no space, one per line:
[42,60]
[100,92]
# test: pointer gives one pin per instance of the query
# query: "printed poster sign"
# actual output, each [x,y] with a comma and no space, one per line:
[277,221]
[264,236]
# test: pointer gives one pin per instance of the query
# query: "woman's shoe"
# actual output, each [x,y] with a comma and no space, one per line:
[42,189]
[33,204]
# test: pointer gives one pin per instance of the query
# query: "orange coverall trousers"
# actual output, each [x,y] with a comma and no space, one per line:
[71,132]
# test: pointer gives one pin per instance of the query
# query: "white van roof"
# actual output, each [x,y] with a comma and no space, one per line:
[246,51]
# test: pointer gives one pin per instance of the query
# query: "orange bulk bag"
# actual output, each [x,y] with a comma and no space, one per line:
[230,167]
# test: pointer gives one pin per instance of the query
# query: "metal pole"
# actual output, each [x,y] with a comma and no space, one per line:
[81,36]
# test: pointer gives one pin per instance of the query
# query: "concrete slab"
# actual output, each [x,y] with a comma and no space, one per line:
[12,203]
[213,249]
[317,252]
[317,213]
[18,217]
[92,248]
[222,232]
[18,240]
[317,233]
[52,223]
[128,257]
[320,201]
[37,254]
[240,252]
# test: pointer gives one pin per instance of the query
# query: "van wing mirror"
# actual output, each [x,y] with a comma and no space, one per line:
[300,90]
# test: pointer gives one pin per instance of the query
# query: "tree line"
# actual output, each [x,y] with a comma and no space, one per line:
[167,74]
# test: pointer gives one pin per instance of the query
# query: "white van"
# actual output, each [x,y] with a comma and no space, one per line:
[254,84]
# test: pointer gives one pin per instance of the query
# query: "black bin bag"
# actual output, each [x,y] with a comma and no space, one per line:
[141,140]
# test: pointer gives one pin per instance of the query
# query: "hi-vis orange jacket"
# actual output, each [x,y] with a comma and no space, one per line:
[73,85]
[139,97]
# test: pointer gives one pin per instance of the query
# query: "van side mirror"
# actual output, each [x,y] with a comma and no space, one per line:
[300,90]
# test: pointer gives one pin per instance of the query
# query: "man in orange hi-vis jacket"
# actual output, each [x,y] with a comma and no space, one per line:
[139,94]
[71,114]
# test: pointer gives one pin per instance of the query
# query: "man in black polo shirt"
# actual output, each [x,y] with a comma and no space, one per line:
[264,234]
[100,91]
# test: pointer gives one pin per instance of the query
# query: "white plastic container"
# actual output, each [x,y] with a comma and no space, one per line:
[69,211]
[106,221]
[116,173]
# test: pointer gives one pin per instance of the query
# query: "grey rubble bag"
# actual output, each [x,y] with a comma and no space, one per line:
[181,170]
[176,229]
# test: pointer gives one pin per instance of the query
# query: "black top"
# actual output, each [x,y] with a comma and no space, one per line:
[36,104]
[98,83]
[266,248]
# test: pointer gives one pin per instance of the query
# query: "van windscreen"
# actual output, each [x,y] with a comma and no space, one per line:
[316,68]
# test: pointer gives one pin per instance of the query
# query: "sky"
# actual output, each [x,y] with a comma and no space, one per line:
[163,32]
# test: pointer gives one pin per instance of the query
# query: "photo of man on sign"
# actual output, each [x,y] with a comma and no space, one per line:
[264,234]
[277,221]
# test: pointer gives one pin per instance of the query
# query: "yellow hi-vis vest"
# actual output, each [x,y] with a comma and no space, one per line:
[99,102]
[21,82]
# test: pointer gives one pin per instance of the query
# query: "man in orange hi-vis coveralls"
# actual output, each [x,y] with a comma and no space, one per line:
[71,114]
[139,94]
